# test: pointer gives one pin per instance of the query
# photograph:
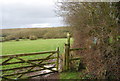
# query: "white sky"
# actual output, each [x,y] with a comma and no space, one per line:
[28,13]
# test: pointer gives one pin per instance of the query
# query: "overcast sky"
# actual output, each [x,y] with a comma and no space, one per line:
[28,13]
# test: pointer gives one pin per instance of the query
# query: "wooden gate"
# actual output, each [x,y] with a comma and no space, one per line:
[22,66]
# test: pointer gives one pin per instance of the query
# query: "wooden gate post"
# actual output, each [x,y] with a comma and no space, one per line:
[67,54]
[57,64]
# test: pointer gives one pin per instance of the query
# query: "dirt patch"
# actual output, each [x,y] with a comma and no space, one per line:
[50,77]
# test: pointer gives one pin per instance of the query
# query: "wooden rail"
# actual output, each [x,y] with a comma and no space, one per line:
[32,64]
[23,61]
[27,54]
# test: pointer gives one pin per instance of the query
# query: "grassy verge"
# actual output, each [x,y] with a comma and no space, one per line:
[70,75]
[73,75]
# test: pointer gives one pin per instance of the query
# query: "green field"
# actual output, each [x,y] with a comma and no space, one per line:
[28,46]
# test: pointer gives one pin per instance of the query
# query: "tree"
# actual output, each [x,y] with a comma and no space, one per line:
[95,20]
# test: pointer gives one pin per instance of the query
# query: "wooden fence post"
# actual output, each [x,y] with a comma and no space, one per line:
[68,39]
[67,54]
[57,64]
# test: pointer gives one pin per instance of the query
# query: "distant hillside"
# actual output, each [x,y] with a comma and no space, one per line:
[31,33]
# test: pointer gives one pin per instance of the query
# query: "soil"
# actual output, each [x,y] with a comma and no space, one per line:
[50,77]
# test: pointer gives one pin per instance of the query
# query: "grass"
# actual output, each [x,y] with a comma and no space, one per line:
[70,75]
[28,46]
[73,75]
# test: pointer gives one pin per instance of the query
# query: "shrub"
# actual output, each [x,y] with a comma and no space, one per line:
[12,34]
[2,39]
[49,35]
[33,37]
[17,39]
[10,37]
[25,37]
